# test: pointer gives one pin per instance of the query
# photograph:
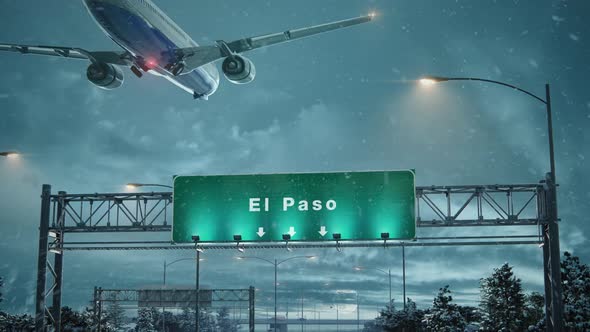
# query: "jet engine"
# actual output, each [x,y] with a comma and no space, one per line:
[104,75]
[238,69]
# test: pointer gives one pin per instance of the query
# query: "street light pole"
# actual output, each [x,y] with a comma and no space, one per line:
[388,272]
[404,272]
[164,283]
[302,311]
[276,264]
[337,319]
[551,251]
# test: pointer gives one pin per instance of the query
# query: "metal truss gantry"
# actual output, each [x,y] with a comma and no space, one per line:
[102,296]
[437,206]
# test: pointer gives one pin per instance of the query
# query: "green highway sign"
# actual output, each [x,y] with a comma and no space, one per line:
[306,206]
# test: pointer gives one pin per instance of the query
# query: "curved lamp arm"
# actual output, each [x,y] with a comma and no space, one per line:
[437,79]
[137,185]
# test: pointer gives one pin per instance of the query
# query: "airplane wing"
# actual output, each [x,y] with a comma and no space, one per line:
[117,58]
[194,57]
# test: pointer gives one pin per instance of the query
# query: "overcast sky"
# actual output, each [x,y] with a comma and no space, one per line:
[336,102]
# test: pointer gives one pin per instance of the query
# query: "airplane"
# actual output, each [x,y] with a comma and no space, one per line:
[153,43]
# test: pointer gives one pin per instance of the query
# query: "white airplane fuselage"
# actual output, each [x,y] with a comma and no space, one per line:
[144,31]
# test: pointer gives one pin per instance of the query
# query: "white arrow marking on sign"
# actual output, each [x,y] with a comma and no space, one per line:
[260,231]
[292,231]
[323,231]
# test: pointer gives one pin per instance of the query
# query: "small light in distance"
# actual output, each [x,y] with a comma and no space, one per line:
[372,14]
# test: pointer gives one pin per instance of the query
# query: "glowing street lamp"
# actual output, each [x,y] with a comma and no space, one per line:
[427,81]
[9,154]
[551,251]
[137,185]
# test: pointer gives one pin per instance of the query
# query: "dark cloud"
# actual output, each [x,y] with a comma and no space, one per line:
[344,101]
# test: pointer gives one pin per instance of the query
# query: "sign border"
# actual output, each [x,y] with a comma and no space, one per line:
[411,170]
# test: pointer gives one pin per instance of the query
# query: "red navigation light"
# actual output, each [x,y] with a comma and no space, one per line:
[151,63]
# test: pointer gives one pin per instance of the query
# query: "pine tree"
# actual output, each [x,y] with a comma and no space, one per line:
[186,320]
[575,278]
[16,322]
[534,312]
[472,315]
[390,319]
[410,318]
[1,285]
[115,315]
[144,321]
[224,323]
[207,322]
[385,318]
[502,301]
[156,318]
[445,316]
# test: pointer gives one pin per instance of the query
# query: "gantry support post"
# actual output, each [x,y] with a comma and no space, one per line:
[58,262]
[551,263]
[42,259]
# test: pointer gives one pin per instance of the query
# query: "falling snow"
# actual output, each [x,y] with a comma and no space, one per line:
[557,18]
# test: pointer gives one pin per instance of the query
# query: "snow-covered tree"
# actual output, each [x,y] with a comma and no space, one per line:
[1,285]
[575,278]
[115,315]
[371,326]
[224,323]
[73,321]
[207,322]
[24,323]
[144,321]
[502,301]
[390,319]
[410,318]
[472,315]
[385,317]
[186,320]
[445,316]
[534,312]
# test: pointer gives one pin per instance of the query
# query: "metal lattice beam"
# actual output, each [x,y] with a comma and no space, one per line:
[132,295]
[480,205]
[437,206]
[475,205]
[126,212]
